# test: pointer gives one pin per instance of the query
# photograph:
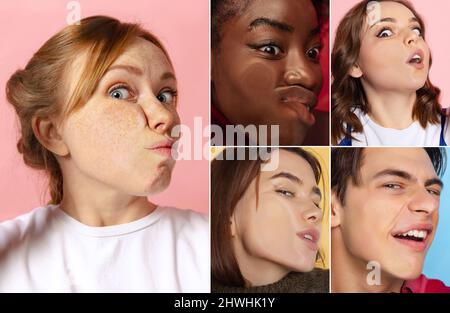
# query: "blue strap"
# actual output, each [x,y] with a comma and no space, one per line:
[347,141]
[441,137]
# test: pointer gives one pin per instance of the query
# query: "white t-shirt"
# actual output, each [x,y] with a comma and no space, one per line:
[46,250]
[374,134]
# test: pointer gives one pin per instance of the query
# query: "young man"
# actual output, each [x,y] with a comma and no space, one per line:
[384,214]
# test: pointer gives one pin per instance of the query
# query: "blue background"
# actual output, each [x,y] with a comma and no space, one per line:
[437,262]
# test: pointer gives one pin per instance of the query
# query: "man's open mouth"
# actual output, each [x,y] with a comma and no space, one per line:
[415,235]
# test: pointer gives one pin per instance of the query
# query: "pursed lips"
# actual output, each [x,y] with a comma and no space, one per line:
[298,95]
[163,147]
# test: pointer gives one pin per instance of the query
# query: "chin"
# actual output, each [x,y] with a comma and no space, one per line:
[406,270]
[417,83]
[408,274]
[304,267]
[157,184]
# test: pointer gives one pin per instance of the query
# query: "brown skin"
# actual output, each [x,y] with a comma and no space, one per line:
[254,67]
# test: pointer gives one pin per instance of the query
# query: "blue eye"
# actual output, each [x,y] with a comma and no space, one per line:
[120,92]
[385,32]
[167,96]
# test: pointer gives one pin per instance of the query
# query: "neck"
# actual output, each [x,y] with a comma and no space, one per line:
[95,204]
[349,273]
[390,109]
[257,271]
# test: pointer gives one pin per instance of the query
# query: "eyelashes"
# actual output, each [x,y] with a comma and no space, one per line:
[398,187]
[386,32]
[272,50]
[122,91]
[289,194]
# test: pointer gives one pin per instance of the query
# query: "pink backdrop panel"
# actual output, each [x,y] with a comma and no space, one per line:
[183,28]
[437,23]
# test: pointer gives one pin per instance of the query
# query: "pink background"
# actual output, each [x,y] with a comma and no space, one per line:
[182,26]
[435,14]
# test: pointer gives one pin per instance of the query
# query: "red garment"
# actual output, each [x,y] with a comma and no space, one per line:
[424,285]
[218,118]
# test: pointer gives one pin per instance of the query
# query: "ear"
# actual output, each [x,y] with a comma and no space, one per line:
[47,133]
[336,209]
[355,71]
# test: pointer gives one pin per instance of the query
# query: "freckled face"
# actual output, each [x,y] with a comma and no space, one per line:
[112,137]
[265,70]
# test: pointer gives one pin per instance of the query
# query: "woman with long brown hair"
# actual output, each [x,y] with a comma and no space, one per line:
[266,217]
[97,104]
[381,91]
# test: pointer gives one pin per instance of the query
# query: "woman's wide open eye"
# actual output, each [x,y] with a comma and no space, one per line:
[385,32]
[271,49]
[417,30]
[313,53]
[120,92]
[167,96]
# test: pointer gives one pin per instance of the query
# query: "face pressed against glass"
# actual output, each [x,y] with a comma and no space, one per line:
[391,202]
[387,49]
[112,137]
[265,69]
[273,217]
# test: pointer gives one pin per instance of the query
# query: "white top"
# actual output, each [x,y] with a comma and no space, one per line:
[374,134]
[46,250]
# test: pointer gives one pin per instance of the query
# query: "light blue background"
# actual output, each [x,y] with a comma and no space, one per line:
[437,262]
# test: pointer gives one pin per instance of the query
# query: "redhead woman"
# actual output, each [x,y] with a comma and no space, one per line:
[266,218]
[96,104]
[381,90]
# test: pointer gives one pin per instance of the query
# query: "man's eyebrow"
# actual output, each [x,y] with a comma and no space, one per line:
[434,181]
[394,172]
[264,21]
[129,68]
[407,176]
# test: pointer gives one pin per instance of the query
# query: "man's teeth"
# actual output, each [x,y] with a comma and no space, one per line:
[415,233]
[309,237]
